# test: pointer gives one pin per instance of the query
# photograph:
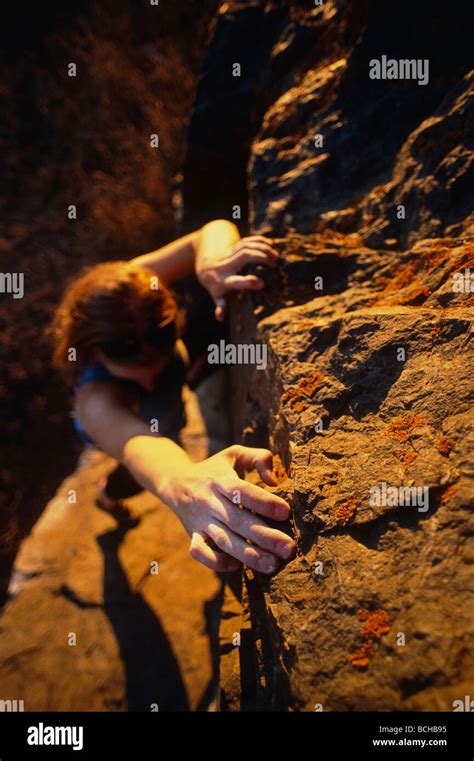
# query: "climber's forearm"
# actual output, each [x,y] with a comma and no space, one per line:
[177,259]
[173,261]
[156,463]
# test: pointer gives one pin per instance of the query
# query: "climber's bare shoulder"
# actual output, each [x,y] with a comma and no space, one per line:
[106,411]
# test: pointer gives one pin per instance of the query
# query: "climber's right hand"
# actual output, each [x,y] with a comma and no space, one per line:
[217,508]
[219,270]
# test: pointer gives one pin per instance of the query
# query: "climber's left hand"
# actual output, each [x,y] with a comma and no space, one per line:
[220,274]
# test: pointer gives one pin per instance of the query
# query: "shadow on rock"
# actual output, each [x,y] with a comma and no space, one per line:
[151,670]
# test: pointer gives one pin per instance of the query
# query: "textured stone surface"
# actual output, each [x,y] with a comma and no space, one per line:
[375,612]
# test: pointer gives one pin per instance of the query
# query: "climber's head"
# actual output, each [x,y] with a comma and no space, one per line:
[119,315]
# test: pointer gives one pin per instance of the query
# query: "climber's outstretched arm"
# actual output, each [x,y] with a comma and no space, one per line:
[216,253]
[211,500]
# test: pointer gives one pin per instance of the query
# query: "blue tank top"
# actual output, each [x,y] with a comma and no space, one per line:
[174,372]
[94,372]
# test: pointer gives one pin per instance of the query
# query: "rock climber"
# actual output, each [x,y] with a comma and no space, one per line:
[117,340]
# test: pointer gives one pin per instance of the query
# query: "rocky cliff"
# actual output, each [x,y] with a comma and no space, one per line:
[367,186]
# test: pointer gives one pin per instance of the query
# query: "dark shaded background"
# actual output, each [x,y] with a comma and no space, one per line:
[82,141]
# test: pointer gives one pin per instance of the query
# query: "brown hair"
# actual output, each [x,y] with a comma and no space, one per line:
[113,307]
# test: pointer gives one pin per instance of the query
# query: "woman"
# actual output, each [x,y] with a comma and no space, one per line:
[117,339]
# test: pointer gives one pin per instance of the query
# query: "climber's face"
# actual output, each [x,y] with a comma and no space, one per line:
[145,375]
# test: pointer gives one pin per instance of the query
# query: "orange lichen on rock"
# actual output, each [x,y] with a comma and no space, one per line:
[292,397]
[310,383]
[361,656]
[444,444]
[407,457]
[346,512]
[375,624]
[401,428]
[403,288]
[448,493]
[305,389]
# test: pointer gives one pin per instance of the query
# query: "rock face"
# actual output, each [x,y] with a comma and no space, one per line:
[367,186]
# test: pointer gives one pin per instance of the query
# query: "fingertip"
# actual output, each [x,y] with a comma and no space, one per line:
[290,550]
[270,478]
[282,512]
